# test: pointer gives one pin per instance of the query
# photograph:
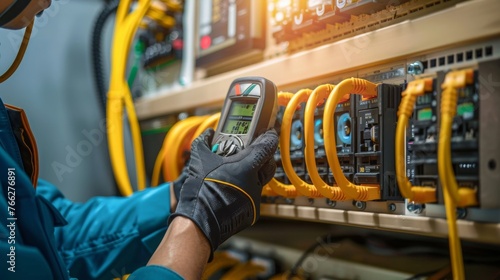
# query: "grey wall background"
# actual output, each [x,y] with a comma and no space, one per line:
[55,87]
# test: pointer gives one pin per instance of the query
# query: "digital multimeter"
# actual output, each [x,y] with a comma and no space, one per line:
[249,110]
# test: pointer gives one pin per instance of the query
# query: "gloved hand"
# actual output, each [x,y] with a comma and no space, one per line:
[177,183]
[222,194]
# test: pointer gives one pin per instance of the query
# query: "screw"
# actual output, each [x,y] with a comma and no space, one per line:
[289,200]
[331,203]
[361,205]
[415,68]
[415,208]
[461,213]
[392,207]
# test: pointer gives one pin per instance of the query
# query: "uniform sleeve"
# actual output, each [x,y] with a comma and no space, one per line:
[107,237]
[154,272]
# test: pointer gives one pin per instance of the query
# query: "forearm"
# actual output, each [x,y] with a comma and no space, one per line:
[184,249]
[124,231]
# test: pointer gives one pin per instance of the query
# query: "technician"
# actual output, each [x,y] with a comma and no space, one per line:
[43,235]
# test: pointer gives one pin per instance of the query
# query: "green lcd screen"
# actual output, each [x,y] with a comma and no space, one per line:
[239,118]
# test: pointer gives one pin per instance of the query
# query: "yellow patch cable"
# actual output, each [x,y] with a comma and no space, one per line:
[173,142]
[275,185]
[210,122]
[119,96]
[452,193]
[302,187]
[179,144]
[420,194]
[348,86]
[316,98]
[158,13]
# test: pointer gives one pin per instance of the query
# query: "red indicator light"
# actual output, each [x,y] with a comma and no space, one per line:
[205,42]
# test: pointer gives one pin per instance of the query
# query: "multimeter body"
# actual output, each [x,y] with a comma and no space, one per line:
[249,110]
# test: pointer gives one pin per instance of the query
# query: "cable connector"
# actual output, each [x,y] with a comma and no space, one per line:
[367,90]
[454,80]
[420,194]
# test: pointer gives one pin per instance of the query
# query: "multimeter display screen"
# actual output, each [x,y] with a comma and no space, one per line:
[240,116]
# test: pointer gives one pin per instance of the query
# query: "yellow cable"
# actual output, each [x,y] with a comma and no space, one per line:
[453,80]
[119,96]
[172,142]
[449,96]
[121,12]
[174,6]
[318,96]
[348,86]
[248,270]
[159,16]
[20,53]
[419,194]
[181,143]
[160,158]
[221,260]
[210,122]
[302,187]
[268,191]
[277,186]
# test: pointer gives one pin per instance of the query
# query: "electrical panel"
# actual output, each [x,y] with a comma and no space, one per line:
[228,28]
[314,43]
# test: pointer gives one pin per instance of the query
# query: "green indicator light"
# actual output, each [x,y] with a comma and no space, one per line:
[466,110]
[424,114]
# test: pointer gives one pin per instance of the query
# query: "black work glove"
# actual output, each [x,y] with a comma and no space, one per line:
[222,194]
[179,182]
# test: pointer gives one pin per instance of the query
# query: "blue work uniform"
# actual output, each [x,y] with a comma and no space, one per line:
[43,235]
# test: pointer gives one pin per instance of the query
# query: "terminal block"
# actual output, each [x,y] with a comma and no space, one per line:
[374,149]
[422,138]
[465,136]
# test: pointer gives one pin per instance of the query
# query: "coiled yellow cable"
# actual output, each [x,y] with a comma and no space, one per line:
[277,186]
[20,53]
[119,96]
[170,153]
[302,187]
[210,122]
[348,86]
[180,143]
[420,194]
[317,97]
